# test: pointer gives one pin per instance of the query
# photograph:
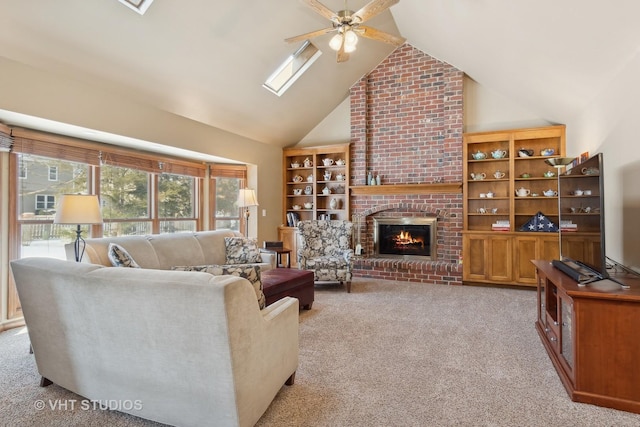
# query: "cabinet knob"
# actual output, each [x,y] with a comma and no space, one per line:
[554,339]
[555,323]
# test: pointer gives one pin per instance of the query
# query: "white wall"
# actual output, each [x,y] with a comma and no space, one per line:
[334,129]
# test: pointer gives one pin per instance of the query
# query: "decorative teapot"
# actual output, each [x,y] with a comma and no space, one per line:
[478,176]
[333,204]
[297,178]
[297,191]
[550,193]
[522,192]
[326,190]
[498,154]
[295,164]
[489,194]
[340,177]
[308,205]
[549,174]
[479,155]
[310,178]
[590,171]
[547,152]
[308,190]
[525,152]
[327,175]
[307,163]
[327,161]
[340,162]
[498,174]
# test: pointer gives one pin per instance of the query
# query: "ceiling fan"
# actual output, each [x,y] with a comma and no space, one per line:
[348,26]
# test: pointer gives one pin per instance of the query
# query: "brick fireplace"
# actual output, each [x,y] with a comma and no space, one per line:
[406,127]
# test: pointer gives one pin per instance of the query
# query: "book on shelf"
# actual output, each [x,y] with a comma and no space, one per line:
[292,219]
[501,225]
[568,226]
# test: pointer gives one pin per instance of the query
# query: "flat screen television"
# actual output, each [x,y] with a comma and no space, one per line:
[581,218]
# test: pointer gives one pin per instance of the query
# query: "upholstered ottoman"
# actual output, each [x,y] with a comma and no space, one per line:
[288,282]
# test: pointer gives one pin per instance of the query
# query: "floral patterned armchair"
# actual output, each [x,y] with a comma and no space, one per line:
[325,248]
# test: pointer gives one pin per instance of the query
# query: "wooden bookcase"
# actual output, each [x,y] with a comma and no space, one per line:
[503,257]
[315,176]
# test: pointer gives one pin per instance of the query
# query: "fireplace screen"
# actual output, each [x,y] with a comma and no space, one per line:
[409,238]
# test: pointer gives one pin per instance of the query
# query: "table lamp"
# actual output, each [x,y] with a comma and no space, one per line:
[78,209]
[246,199]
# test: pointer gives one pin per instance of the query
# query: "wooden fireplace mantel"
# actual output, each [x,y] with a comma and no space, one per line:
[436,188]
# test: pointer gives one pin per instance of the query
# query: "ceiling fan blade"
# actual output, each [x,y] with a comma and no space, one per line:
[322,10]
[310,35]
[342,56]
[374,34]
[371,9]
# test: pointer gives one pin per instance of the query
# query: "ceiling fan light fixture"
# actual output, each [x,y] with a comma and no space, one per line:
[350,39]
[336,42]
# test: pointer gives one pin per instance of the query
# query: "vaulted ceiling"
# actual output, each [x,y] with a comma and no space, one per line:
[207,59]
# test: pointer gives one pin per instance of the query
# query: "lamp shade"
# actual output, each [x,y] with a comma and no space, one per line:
[247,197]
[78,209]
[559,162]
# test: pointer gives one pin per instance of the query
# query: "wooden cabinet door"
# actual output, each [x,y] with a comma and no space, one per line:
[531,247]
[500,255]
[487,258]
[475,257]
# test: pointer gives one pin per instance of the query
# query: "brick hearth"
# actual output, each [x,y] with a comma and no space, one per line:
[406,126]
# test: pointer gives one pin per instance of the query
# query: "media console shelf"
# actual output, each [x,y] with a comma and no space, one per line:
[591,335]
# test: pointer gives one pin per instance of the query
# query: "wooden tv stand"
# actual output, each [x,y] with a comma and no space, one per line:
[591,335]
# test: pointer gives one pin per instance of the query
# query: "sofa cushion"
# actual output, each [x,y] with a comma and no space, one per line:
[240,250]
[119,256]
[248,271]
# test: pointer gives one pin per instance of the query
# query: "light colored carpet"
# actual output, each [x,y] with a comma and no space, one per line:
[388,354]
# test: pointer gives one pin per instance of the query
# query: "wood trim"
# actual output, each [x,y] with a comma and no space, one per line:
[437,188]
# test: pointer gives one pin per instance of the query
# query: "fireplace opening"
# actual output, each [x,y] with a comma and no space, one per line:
[405,237]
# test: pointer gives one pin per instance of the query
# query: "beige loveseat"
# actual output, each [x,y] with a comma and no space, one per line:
[163,251]
[181,348]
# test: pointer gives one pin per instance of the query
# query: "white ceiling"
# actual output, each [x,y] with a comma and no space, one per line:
[207,59]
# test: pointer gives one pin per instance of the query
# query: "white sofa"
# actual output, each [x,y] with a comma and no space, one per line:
[163,251]
[181,348]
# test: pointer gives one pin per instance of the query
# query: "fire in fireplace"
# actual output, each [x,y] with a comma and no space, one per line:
[405,237]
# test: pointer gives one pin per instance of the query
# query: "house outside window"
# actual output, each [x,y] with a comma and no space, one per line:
[53,173]
[45,202]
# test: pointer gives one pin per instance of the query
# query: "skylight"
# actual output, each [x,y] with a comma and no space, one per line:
[139,6]
[292,68]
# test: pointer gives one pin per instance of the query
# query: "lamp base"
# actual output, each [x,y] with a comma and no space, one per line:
[79,245]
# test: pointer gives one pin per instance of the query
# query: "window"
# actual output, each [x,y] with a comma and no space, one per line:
[36,199]
[227,213]
[45,202]
[124,194]
[53,173]
[227,180]
[176,203]
[292,68]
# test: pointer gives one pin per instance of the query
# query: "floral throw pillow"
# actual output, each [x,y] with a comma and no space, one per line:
[249,272]
[119,257]
[240,250]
